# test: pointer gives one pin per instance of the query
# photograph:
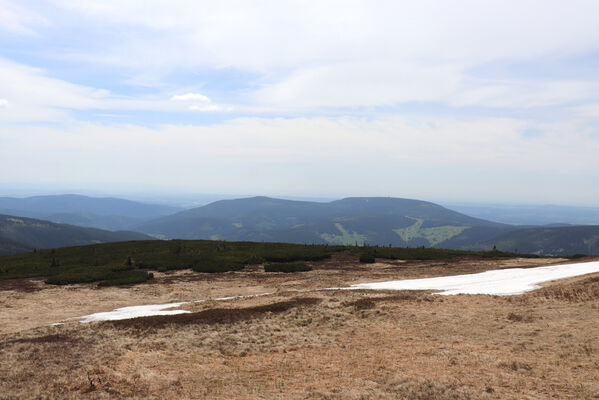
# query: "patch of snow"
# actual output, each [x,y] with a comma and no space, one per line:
[149,310]
[502,282]
[242,297]
[134,312]
[234,297]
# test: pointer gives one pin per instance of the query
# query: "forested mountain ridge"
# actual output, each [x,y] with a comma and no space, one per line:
[28,233]
[96,212]
[373,220]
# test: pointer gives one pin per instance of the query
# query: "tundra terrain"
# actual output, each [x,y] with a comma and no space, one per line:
[299,342]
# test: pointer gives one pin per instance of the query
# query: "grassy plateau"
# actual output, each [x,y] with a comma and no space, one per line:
[248,333]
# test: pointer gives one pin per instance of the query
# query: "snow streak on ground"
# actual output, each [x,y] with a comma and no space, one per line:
[500,282]
[150,310]
[242,297]
[134,312]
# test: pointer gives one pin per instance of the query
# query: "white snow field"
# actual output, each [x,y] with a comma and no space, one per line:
[502,282]
[134,312]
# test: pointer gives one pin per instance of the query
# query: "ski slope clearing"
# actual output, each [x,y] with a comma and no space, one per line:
[503,282]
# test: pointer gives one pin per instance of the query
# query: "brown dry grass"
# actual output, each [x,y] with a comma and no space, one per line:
[573,290]
[312,345]
[29,303]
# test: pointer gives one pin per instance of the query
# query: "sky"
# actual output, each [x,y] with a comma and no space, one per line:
[482,101]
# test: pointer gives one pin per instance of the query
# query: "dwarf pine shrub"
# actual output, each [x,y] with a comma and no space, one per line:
[287,267]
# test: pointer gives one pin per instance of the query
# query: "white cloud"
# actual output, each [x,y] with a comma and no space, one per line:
[352,53]
[361,84]
[35,96]
[524,94]
[206,107]
[587,110]
[191,97]
[16,19]
[375,84]
[276,34]
[422,156]
[202,103]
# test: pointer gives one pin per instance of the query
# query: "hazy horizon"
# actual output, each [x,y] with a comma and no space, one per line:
[494,103]
[190,199]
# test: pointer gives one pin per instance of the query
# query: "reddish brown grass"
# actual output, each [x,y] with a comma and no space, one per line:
[215,315]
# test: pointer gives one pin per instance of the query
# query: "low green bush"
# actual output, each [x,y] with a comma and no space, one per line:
[367,258]
[254,259]
[164,268]
[575,256]
[506,254]
[127,278]
[92,274]
[216,265]
[296,256]
[67,278]
[287,267]
[116,267]
[98,262]
[428,253]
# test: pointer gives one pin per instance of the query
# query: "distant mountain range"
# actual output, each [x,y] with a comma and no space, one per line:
[563,240]
[530,214]
[399,222]
[21,234]
[361,220]
[381,221]
[103,213]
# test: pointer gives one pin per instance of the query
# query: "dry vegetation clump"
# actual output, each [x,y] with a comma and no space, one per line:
[52,338]
[425,389]
[586,289]
[39,366]
[409,389]
[19,285]
[515,365]
[371,300]
[215,315]
[362,304]
[519,317]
